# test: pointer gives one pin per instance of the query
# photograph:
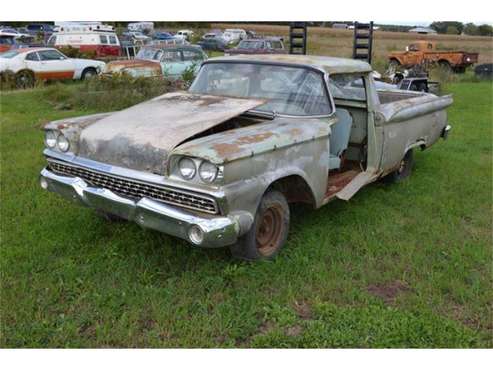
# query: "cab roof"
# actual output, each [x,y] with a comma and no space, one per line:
[327,64]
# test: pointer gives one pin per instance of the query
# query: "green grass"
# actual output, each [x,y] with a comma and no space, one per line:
[406,265]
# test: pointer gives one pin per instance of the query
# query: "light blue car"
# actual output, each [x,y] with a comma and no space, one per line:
[154,61]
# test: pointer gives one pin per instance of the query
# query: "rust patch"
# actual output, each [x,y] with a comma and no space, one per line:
[133,63]
[251,139]
[225,149]
[388,291]
[295,132]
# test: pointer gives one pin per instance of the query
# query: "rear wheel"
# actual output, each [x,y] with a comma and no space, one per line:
[404,170]
[88,73]
[269,231]
[24,79]
[445,66]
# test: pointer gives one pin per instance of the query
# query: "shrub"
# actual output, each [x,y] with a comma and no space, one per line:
[107,93]
[7,80]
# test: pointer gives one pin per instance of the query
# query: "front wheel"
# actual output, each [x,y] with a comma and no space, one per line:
[269,231]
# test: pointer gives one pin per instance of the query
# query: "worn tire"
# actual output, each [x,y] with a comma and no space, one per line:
[88,73]
[24,79]
[445,66]
[404,170]
[269,231]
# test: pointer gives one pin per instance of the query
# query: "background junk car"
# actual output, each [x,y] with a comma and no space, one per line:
[268,45]
[98,39]
[29,64]
[151,61]
[424,52]
[219,164]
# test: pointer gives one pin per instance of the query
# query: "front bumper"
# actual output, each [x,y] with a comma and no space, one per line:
[215,231]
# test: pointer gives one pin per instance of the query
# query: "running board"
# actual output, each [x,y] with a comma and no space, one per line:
[357,183]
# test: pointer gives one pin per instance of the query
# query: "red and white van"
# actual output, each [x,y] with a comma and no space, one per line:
[101,39]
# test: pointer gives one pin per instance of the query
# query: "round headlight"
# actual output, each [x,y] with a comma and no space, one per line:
[50,138]
[187,168]
[208,171]
[62,143]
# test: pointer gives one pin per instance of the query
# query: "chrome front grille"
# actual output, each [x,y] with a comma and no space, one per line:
[137,190]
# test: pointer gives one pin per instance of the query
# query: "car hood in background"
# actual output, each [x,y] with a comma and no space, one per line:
[121,65]
[140,137]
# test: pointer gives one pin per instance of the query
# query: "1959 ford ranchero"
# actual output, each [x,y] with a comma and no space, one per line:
[219,164]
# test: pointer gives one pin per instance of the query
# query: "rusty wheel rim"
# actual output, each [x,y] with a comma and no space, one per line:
[269,231]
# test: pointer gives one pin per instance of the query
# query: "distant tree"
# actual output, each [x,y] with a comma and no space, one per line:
[452,30]
[485,30]
[471,29]
[442,27]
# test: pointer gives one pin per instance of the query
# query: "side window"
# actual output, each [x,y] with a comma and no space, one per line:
[50,55]
[103,39]
[347,87]
[191,55]
[276,44]
[113,40]
[430,46]
[171,56]
[413,47]
[33,57]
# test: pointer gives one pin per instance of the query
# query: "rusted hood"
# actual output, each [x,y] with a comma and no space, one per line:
[119,65]
[140,137]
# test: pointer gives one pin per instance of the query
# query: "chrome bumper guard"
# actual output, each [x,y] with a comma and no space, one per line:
[446,131]
[209,231]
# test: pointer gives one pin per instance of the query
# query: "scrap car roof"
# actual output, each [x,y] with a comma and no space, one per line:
[327,64]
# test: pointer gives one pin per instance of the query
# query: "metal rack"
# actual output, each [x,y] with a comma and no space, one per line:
[363,41]
[297,38]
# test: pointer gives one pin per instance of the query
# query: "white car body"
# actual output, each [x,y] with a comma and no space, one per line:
[233,35]
[141,26]
[184,34]
[44,65]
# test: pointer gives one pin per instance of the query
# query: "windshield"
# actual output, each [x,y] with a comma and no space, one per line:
[9,54]
[250,45]
[148,54]
[295,91]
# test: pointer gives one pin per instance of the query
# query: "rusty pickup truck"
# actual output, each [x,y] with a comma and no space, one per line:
[218,165]
[424,53]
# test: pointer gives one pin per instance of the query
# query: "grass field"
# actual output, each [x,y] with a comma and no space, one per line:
[406,265]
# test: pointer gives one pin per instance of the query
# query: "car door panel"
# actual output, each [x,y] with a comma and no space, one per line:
[51,68]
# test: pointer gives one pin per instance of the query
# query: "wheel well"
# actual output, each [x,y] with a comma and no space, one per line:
[25,70]
[88,69]
[443,61]
[394,60]
[295,189]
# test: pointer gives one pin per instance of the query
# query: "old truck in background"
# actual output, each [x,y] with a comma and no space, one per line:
[218,165]
[424,53]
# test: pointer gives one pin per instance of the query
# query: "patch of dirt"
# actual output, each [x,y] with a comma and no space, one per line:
[266,327]
[294,331]
[303,310]
[388,291]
